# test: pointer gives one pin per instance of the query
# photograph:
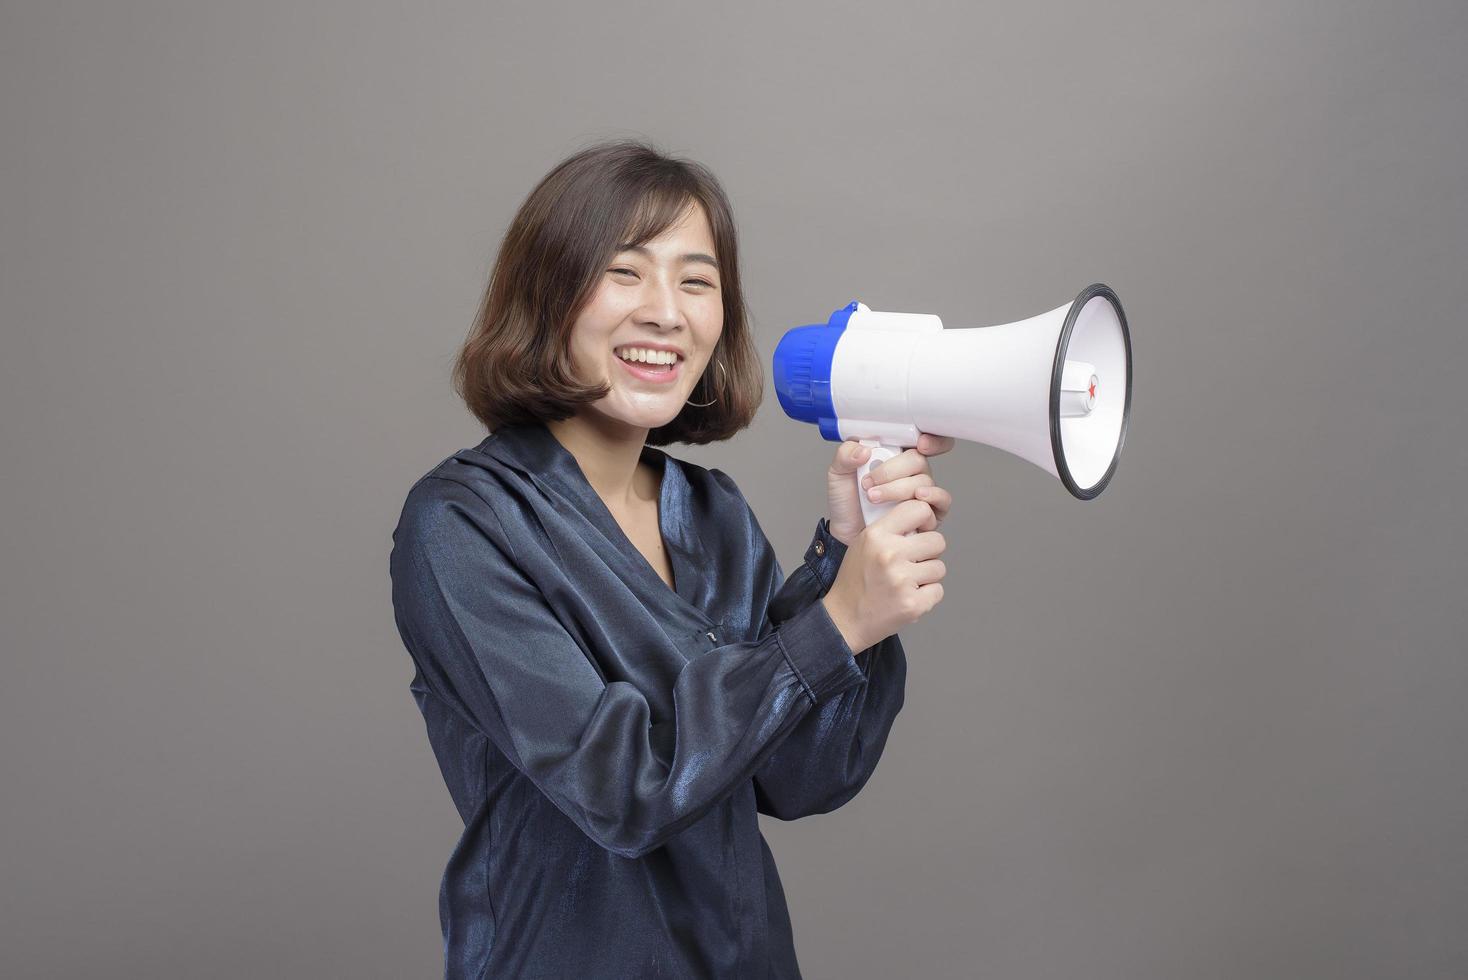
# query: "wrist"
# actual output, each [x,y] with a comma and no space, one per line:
[843,620]
[830,528]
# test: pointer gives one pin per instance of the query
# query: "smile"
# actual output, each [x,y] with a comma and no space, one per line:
[656,373]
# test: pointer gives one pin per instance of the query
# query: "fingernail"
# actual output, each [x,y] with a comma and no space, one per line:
[922,492]
[866,482]
[875,493]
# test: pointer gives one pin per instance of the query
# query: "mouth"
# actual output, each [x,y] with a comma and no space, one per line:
[657,373]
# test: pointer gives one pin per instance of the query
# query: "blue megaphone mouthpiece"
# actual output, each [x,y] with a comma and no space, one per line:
[803,370]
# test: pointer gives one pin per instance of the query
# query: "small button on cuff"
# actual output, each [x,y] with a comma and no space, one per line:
[820,547]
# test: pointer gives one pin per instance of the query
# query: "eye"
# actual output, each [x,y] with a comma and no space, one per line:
[631,272]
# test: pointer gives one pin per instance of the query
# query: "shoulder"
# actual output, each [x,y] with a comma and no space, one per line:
[451,500]
[471,474]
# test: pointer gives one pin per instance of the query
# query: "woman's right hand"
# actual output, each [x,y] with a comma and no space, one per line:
[888,578]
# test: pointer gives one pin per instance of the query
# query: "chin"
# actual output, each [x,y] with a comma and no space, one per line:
[648,417]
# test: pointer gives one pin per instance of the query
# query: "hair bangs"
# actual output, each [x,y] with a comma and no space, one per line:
[659,207]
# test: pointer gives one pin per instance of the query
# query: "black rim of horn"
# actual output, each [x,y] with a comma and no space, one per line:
[1085,296]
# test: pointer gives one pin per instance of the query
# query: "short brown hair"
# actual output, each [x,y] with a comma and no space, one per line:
[516,364]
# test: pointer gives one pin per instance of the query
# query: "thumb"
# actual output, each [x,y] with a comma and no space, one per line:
[849,457]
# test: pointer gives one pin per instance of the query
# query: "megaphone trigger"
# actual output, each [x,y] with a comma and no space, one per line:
[881,452]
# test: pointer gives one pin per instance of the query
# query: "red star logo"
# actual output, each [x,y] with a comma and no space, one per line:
[1093,389]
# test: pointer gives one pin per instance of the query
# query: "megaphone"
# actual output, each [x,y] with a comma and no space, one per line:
[1055,389]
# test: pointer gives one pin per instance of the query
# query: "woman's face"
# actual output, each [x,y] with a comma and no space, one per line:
[665,294]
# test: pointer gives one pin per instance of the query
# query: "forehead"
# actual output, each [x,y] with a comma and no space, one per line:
[691,233]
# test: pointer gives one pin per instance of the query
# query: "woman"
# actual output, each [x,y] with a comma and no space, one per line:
[615,673]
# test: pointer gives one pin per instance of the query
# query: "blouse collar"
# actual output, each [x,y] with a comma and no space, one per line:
[533,449]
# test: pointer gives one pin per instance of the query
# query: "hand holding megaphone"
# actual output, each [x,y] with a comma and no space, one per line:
[856,470]
[890,576]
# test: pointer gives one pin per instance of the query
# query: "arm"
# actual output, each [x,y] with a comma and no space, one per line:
[833,750]
[487,640]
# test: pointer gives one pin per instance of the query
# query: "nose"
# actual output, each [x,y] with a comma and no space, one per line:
[660,304]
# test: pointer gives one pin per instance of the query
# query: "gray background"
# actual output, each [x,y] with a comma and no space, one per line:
[1209,725]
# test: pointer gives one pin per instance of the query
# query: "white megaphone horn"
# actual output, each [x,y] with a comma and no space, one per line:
[1055,389]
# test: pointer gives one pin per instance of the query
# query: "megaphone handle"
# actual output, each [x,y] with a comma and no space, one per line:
[870,510]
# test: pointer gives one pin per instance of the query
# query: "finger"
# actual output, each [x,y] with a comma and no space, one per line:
[932,593]
[924,545]
[905,463]
[900,489]
[939,499]
[907,515]
[928,571]
[934,445]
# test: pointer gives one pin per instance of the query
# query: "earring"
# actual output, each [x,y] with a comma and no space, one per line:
[704,379]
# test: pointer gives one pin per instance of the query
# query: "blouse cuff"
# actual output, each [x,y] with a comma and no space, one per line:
[818,653]
[824,555]
[812,578]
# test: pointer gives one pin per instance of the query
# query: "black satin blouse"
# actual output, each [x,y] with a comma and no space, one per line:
[608,740]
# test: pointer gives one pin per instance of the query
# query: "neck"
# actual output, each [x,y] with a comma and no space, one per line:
[608,453]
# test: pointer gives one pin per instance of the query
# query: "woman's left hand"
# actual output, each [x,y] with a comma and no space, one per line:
[906,475]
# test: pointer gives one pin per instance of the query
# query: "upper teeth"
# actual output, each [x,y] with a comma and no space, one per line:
[646,354]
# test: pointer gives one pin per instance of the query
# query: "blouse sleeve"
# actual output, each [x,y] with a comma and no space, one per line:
[834,748]
[486,638]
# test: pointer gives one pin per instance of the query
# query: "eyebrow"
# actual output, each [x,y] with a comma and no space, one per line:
[690,257]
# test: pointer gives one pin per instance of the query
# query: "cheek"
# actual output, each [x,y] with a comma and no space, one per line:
[592,335]
[599,310]
[709,319]
[714,332]
[587,359]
